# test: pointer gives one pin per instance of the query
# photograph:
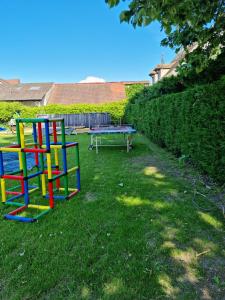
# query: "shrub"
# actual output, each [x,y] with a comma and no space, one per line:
[115,109]
[8,109]
[190,123]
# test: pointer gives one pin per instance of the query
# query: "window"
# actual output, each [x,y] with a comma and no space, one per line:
[34,88]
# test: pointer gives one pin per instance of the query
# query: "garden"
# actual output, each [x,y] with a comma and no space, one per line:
[139,226]
[146,223]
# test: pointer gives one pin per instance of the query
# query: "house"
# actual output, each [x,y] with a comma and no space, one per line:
[41,94]
[31,94]
[95,93]
[165,70]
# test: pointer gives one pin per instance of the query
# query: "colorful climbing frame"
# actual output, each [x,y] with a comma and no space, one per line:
[51,172]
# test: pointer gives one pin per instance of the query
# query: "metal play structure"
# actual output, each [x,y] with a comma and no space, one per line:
[51,177]
[97,134]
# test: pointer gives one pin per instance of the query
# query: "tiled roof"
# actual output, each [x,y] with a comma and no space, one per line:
[162,66]
[23,91]
[13,81]
[89,92]
[3,83]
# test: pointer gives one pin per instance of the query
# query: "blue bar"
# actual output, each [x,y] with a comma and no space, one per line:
[35,133]
[14,198]
[57,197]
[47,136]
[58,143]
[64,160]
[34,175]
[20,219]
[78,179]
[1,164]
[26,192]
[32,187]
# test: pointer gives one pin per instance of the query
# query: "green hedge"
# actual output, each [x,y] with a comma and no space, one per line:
[190,123]
[115,109]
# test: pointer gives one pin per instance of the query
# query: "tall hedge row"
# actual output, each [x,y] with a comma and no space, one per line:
[190,123]
[7,110]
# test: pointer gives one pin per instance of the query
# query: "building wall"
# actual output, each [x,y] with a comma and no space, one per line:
[28,102]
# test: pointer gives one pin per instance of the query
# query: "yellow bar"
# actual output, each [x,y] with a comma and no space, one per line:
[56,157]
[10,149]
[49,165]
[69,189]
[20,161]
[3,190]
[41,207]
[22,135]
[53,146]
[43,185]
[72,169]
[33,190]
[30,144]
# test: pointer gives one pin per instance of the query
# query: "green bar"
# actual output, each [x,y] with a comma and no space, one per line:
[15,204]
[38,177]
[42,213]
[77,156]
[58,176]
[18,133]
[42,162]
[24,162]
[63,134]
[32,120]
[39,182]
[66,186]
[15,172]
[14,188]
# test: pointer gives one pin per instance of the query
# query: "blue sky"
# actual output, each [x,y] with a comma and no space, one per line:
[68,40]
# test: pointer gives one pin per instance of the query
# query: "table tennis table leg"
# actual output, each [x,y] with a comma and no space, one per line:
[128,143]
[96,144]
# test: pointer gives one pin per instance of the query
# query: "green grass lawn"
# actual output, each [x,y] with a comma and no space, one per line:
[133,232]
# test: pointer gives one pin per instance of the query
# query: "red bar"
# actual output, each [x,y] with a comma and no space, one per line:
[32,150]
[13,193]
[50,190]
[71,145]
[53,172]
[54,132]
[13,177]
[73,194]
[16,211]
[40,134]
[13,146]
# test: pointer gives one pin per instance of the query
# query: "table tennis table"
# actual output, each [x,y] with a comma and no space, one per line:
[97,133]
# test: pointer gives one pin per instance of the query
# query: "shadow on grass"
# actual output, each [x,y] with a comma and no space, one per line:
[132,233]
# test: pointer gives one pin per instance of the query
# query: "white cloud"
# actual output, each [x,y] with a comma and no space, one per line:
[92,79]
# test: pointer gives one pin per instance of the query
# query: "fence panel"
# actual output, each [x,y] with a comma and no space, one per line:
[86,119]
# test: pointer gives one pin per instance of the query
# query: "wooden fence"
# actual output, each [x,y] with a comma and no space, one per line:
[81,120]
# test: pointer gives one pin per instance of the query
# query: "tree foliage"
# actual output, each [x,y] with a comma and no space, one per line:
[185,22]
